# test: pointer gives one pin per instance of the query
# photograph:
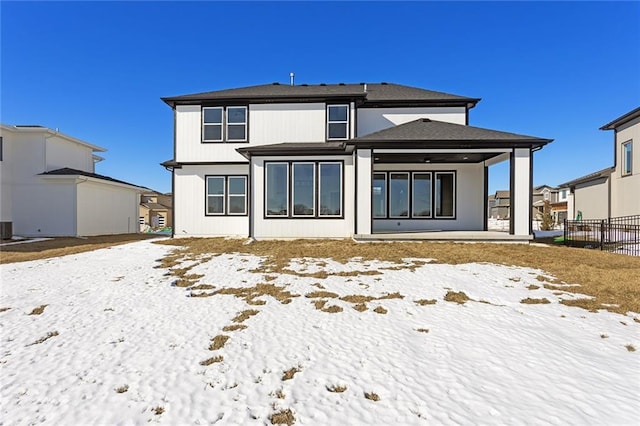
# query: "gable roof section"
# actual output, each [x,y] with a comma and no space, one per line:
[34,128]
[622,120]
[75,172]
[588,178]
[439,134]
[367,93]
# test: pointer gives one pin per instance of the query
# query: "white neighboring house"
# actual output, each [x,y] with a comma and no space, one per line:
[338,160]
[50,188]
[614,191]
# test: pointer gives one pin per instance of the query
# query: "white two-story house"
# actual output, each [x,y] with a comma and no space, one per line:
[339,160]
[50,188]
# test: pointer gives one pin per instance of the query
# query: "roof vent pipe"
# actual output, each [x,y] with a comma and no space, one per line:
[291,76]
[365,88]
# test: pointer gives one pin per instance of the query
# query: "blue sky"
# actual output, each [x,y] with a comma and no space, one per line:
[97,70]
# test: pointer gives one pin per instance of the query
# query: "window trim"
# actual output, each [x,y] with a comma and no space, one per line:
[627,168]
[384,195]
[229,195]
[224,129]
[314,185]
[435,179]
[316,214]
[319,190]
[411,216]
[409,193]
[225,196]
[347,122]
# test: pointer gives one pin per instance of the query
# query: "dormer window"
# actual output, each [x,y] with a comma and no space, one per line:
[224,124]
[337,122]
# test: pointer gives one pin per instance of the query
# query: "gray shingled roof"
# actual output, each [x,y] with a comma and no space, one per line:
[588,178]
[75,172]
[426,130]
[375,92]
[296,148]
[631,115]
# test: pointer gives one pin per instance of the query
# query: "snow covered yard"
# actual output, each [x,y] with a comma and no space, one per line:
[107,337]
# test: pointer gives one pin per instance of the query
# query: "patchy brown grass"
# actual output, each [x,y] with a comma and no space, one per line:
[212,360]
[218,342]
[288,374]
[610,278]
[122,389]
[39,310]
[423,302]
[4,309]
[630,348]
[357,298]
[234,327]
[360,307]
[319,304]
[422,330]
[372,396]
[280,394]
[64,246]
[332,309]
[531,301]
[45,338]
[158,410]
[283,417]
[533,287]
[203,287]
[250,294]
[201,294]
[336,388]
[245,315]
[380,310]
[458,297]
[321,294]
[395,295]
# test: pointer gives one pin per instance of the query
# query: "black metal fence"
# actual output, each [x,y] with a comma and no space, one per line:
[615,234]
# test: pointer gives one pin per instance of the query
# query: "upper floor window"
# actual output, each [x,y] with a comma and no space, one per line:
[627,158]
[563,194]
[337,122]
[224,124]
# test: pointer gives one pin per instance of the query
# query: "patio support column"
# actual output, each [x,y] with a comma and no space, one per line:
[364,173]
[520,191]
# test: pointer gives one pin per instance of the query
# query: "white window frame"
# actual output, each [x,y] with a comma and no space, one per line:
[435,193]
[319,194]
[266,190]
[229,195]
[222,115]
[627,166]
[292,185]
[227,124]
[346,136]
[223,195]
[431,194]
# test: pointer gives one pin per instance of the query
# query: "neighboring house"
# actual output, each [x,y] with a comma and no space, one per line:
[557,198]
[155,210]
[614,191]
[50,188]
[501,205]
[338,160]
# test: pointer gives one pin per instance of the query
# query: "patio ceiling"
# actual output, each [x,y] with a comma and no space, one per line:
[435,158]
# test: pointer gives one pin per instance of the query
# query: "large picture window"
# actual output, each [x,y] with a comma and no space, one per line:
[337,122]
[277,189]
[225,195]
[224,124]
[417,195]
[445,194]
[379,195]
[303,189]
[627,158]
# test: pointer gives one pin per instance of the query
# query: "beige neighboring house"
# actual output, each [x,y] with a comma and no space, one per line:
[155,211]
[614,191]
[500,205]
[557,198]
[50,188]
